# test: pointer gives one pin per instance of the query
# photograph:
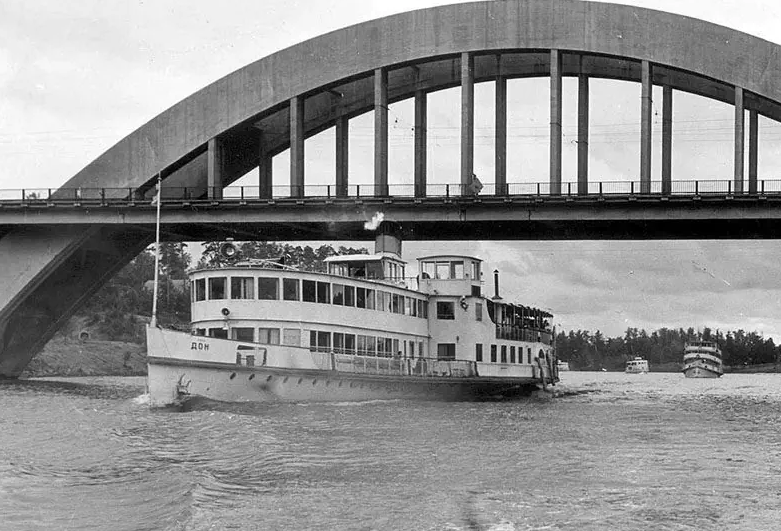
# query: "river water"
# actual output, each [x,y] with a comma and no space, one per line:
[612,451]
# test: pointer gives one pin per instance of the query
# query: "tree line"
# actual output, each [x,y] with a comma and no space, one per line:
[585,350]
[117,306]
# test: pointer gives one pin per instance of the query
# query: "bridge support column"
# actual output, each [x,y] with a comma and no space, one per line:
[646,110]
[500,131]
[342,159]
[555,122]
[215,179]
[421,124]
[583,104]
[381,132]
[265,169]
[667,139]
[297,146]
[753,150]
[740,138]
[467,120]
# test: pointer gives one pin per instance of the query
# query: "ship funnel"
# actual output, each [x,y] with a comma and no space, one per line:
[496,284]
[388,239]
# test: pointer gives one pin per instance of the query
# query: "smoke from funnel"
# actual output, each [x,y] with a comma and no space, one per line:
[373,223]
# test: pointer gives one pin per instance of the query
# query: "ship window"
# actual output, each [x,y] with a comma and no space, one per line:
[493,353]
[457,270]
[338,342]
[216,288]
[374,270]
[476,270]
[349,343]
[200,289]
[349,296]
[429,270]
[383,347]
[396,303]
[360,297]
[324,341]
[367,345]
[309,291]
[443,270]
[421,352]
[381,300]
[528,355]
[476,291]
[479,311]
[446,310]
[479,352]
[338,294]
[290,289]
[218,332]
[371,303]
[268,288]
[291,336]
[200,331]
[268,336]
[324,292]
[243,334]
[504,353]
[423,309]
[242,288]
[512,354]
[446,351]
[411,306]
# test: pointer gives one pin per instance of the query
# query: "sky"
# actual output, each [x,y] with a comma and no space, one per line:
[76,77]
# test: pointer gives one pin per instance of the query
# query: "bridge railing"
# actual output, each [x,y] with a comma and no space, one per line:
[144,196]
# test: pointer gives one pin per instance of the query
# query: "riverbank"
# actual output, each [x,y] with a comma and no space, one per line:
[91,357]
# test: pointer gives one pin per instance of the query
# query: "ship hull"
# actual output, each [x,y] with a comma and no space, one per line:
[700,372]
[172,381]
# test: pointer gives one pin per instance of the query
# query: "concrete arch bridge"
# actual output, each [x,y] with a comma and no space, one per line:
[58,246]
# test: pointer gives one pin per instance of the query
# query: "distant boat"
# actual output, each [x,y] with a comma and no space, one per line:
[636,366]
[702,359]
[562,365]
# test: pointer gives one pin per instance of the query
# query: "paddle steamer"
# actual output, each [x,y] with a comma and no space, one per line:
[362,330]
[702,359]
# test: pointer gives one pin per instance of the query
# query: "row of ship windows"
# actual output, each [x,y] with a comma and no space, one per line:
[501,355]
[363,345]
[308,291]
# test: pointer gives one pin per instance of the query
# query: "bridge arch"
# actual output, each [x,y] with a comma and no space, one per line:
[239,122]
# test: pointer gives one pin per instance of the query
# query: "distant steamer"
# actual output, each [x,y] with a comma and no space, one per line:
[702,359]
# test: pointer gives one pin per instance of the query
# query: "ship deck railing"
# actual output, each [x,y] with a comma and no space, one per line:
[422,367]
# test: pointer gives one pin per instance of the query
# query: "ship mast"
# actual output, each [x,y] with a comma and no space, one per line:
[153,321]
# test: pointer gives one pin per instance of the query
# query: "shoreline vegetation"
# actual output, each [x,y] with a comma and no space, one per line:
[107,337]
